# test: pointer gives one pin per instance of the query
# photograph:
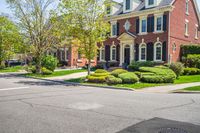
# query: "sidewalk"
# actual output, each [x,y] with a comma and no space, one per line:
[67,77]
[168,88]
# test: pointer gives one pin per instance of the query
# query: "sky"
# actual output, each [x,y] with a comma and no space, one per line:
[4,7]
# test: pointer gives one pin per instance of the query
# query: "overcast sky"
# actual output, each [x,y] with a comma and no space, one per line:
[4,7]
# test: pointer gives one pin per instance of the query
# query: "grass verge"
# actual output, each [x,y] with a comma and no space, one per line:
[11,69]
[195,88]
[55,74]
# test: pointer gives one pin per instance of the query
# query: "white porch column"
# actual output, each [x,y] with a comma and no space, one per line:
[121,54]
[131,52]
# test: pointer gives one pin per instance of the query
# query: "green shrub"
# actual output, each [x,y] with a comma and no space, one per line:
[32,69]
[46,71]
[191,71]
[94,79]
[189,49]
[117,72]
[99,74]
[112,80]
[129,77]
[177,68]
[157,75]
[136,65]
[100,71]
[49,62]
[193,61]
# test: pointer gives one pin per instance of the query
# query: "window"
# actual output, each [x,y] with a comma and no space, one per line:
[102,54]
[143,25]
[128,4]
[143,52]
[197,32]
[62,55]
[158,52]
[159,23]
[114,29]
[79,55]
[187,7]
[186,27]
[150,2]
[108,10]
[113,53]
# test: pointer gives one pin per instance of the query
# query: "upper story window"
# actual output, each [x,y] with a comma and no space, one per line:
[143,25]
[108,10]
[186,28]
[113,53]
[187,7]
[159,23]
[150,2]
[128,4]
[114,29]
[197,32]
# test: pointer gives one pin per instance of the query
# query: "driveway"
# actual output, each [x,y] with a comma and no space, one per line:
[38,106]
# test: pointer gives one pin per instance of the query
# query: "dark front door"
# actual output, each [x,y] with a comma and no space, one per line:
[127,55]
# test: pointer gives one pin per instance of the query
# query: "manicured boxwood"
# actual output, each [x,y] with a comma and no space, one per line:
[117,72]
[129,78]
[99,74]
[100,71]
[46,71]
[157,75]
[191,71]
[94,79]
[112,80]
[135,65]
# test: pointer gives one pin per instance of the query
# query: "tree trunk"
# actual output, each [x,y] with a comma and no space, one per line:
[38,64]
[89,66]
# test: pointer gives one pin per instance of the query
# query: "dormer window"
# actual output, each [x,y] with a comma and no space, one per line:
[128,4]
[108,10]
[150,2]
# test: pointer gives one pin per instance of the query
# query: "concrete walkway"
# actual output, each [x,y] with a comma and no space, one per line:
[168,88]
[67,77]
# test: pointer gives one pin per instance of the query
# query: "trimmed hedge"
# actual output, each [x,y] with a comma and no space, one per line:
[112,80]
[191,71]
[99,74]
[117,72]
[177,68]
[129,78]
[94,79]
[136,65]
[46,71]
[189,49]
[193,60]
[100,71]
[157,75]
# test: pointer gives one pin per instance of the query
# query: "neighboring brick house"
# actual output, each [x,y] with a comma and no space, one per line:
[149,30]
[69,56]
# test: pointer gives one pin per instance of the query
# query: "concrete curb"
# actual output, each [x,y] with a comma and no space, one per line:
[75,84]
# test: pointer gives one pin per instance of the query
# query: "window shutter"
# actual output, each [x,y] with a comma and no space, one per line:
[164,51]
[150,51]
[137,26]
[136,52]
[107,53]
[98,57]
[164,22]
[118,52]
[152,24]
[149,24]
[118,26]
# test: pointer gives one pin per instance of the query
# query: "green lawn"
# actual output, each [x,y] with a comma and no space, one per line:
[188,79]
[196,88]
[55,74]
[181,80]
[11,69]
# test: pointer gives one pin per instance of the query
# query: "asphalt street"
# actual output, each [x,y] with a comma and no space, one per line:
[38,106]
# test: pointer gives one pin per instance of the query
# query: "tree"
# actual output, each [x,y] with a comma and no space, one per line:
[10,39]
[38,25]
[85,21]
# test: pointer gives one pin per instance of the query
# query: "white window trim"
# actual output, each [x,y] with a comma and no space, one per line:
[196,31]
[125,11]
[155,24]
[111,59]
[100,58]
[187,8]
[113,23]
[149,6]
[156,53]
[141,19]
[186,28]
[140,52]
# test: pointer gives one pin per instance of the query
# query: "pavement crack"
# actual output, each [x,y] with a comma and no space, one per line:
[177,106]
[29,104]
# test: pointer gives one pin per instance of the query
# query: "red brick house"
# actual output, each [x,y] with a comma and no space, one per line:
[149,30]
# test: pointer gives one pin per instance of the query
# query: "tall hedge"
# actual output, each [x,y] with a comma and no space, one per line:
[189,49]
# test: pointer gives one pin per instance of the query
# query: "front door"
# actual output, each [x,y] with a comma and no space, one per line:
[127,55]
